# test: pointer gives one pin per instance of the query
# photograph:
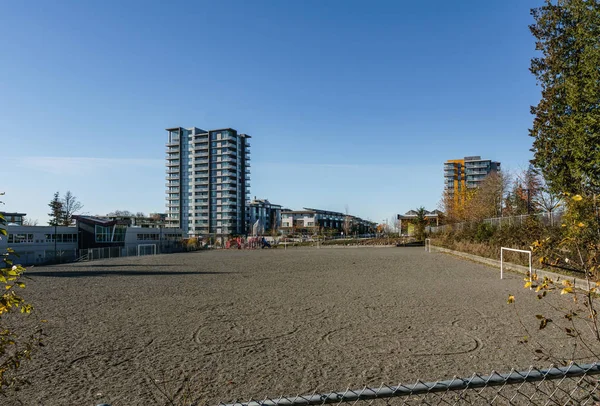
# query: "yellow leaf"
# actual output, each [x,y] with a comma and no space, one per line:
[580,225]
[566,283]
[566,290]
[511,299]
[527,285]
[577,198]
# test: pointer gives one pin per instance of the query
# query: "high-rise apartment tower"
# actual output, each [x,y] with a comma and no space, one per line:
[208,174]
[467,173]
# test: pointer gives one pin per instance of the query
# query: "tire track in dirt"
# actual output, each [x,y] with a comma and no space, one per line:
[477,346]
[252,342]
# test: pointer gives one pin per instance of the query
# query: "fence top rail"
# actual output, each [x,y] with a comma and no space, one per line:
[419,388]
[514,249]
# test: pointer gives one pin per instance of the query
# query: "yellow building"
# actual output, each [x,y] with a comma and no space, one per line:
[454,176]
[461,175]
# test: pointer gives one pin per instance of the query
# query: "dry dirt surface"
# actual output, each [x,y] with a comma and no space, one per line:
[226,325]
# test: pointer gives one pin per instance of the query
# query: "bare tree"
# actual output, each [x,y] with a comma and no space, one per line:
[140,214]
[70,206]
[347,222]
[548,201]
[121,213]
[29,222]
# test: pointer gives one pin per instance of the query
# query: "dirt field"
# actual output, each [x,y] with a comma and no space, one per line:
[241,324]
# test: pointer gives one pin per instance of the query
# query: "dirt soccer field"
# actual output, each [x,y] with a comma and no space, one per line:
[239,324]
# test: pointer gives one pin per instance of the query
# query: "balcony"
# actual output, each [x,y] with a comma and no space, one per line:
[228,137]
[476,172]
[201,155]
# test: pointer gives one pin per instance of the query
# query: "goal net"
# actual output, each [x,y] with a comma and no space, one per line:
[146,249]
[502,249]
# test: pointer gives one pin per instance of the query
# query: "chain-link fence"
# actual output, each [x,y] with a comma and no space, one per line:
[569,385]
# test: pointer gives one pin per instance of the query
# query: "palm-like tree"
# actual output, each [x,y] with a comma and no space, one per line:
[420,223]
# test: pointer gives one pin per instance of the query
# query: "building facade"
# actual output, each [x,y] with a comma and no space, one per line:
[263,214]
[208,181]
[40,244]
[467,173]
[315,220]
[13,218]
[406,221]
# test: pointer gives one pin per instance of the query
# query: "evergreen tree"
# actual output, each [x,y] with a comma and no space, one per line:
[566,127]
[56,211]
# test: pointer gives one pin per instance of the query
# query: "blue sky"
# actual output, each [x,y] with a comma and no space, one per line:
[348,103]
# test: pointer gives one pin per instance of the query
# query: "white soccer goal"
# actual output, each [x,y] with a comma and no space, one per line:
[146,249]
[427,245]
[502,249]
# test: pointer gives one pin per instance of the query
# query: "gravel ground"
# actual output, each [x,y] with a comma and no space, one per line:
[228,325]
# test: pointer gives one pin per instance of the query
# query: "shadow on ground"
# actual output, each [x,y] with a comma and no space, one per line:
[118,265]
[83,274]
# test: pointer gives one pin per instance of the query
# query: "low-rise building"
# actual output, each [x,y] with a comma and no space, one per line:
[105,232]
[36,245]
[263,217]
[315,221]
[406,220]
[40,244]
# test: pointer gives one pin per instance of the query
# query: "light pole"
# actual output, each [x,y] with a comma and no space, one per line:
[55,238]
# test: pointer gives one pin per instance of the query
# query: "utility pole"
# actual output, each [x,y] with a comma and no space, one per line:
[55,238]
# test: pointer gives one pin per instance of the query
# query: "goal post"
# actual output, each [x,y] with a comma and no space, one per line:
[502,249]
[146,249]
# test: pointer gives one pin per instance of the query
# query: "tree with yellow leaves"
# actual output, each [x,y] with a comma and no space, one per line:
[13,350]
[576,250]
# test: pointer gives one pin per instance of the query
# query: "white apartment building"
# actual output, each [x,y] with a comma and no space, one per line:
[208,175]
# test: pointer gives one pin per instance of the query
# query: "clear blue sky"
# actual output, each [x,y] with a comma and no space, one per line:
[348,103]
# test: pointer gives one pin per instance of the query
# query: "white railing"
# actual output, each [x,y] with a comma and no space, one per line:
[549,218]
